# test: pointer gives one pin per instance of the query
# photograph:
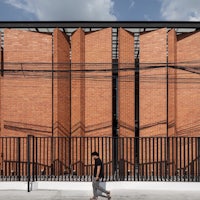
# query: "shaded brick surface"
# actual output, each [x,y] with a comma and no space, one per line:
[126,90]
[153,116]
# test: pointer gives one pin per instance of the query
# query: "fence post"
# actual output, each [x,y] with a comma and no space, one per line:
[28,163]
[33,158]
[18,159]
[198,156]
[29,160]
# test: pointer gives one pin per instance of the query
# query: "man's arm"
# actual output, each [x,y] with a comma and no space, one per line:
[98,172]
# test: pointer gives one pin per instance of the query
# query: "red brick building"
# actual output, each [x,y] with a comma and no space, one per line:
[61,83]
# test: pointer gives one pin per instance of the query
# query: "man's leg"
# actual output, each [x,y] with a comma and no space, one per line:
[94,185]
[98,187]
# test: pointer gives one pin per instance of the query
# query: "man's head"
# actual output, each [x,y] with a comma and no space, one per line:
[95,154]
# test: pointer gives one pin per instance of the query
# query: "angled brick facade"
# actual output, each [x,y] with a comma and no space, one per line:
[188,90]
[78,83]
[126,82]
[27,100]
[98,84]
[55,85]
[172,58]
[61,64]
[153,95]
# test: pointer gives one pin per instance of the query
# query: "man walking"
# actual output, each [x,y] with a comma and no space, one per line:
[98,176]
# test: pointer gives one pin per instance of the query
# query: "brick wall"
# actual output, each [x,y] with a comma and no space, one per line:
[78,98]
[126,83]
[98,85]
[153,83]
[61,84]
[27,96]
[188,90]
[78,82]
[61,93]
[172,44]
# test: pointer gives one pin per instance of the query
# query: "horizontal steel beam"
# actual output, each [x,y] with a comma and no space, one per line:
[99,24]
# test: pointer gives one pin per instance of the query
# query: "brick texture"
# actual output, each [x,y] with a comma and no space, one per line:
[98,84]
[61,84]
[172,58]
[126,83]
[188,90]
[78,99]
[153,97]
[78,83]
[27,96]
[61,93]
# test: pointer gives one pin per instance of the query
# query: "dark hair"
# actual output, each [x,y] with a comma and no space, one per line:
[95,153]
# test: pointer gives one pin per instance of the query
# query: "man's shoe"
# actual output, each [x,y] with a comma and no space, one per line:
[109,196]
[93,198]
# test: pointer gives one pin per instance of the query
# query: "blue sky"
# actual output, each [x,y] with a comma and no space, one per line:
[91,10]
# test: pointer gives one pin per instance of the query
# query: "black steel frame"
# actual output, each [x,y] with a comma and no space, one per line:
[99,24]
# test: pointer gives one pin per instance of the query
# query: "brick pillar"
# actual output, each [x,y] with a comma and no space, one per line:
[78,83]
[98,84]
[126,96]
[153,97]
[172,43]
[62,100]
[126,83]
[78,100]
[153,91]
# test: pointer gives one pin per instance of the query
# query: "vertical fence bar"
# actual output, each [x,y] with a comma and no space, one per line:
[1,159]
[176,159]
[180,157]
[173,163]
[184,159]
[33,160]
[168,157]
[146,159]
[153,160]
[6,158]
[131,159]
[18,159]
[198,156]
[192,158]
[10,158]
[142,158]
[165,157]
[188,158]
[109,158]
[157,158]
[28,162]
[36,158]
[161,158]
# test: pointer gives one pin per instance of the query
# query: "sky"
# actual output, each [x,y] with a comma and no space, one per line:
[99,10]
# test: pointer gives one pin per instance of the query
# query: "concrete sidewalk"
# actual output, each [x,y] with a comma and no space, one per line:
[85,195]
[83,190]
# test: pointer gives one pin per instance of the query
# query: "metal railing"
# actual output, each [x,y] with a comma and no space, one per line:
[69,158]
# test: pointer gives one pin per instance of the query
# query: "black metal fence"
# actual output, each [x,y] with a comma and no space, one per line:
[69,158]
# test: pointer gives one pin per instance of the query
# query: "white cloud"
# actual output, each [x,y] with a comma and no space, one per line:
[132,3]
[183,10]
[53,10]
[147,17]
